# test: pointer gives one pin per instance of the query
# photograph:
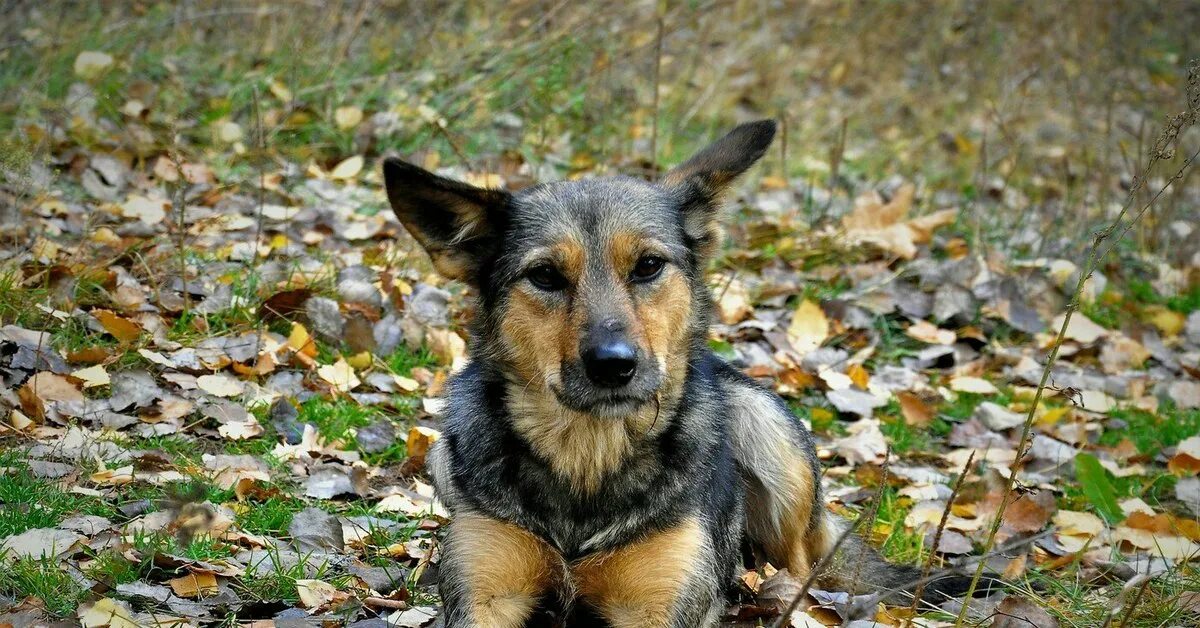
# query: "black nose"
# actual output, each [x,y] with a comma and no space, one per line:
[610,364]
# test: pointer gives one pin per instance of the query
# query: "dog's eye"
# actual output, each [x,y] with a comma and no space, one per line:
[546,277]
[647,268]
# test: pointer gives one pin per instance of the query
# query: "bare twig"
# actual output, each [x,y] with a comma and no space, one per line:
[658,46]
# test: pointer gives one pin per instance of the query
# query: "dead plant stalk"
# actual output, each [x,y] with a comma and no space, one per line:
[1164,148]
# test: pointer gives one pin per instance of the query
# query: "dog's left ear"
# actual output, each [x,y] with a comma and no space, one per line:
[458,224]
[700,181]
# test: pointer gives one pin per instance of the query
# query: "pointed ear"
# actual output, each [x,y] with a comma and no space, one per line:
[457,223]
[700,181]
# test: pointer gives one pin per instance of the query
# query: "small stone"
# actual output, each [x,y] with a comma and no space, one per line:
[429,305]
[314,529]
[388,335]
[376,437]
[325,317]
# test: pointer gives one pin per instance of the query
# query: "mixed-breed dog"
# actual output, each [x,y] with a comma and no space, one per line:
[602,466]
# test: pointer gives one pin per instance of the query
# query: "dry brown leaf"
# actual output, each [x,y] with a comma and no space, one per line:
[43,388]
[197,584]
[1186,460]
[420,439]
[123,329]
[916,412]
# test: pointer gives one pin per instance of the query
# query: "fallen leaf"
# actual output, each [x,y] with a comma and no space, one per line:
[90,64]
[348,168]
[420,440]
[865,443]
[194,585]
[1080,329]
[1169,322]
[314,593]
[40,542]
[148,210]
[975,385]
[44,388]
[106,613]
[121,328]
[340,375]
[809,327]
[347,117]
[220,385]
[1078,523]
[1186,460]
[916,412]
[930,333]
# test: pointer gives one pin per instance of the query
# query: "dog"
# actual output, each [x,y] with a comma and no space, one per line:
[602,466]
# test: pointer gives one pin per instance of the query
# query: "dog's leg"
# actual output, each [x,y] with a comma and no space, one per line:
[494,572]
[775,453]
[665,580]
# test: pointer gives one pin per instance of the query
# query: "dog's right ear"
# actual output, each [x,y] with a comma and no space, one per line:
[457,223]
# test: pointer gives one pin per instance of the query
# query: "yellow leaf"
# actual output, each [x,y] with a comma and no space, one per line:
[301,342]
[340,375]
[93,376]
[858,375]
[420,439]
[347,117]
[360,361]
[90,64]
[809,328]
[123,329]
[1169,322]
[199,584]
[1053,415]
[106,612]
[348,168]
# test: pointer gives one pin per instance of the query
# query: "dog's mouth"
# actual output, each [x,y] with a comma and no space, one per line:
[607,404]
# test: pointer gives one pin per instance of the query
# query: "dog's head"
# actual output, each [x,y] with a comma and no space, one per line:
[592,290]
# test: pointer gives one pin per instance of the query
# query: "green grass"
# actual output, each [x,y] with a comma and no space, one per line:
[337,419]
[1151,432]
[270,517]
[43,579]
[404,360]
[273,581]
[30,502]
[112,568]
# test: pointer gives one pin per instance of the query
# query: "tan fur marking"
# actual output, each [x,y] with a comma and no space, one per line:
[638,584]
[624,249]
[663,321]
[534,336]
[780,505]
[506,568]
[579,447]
